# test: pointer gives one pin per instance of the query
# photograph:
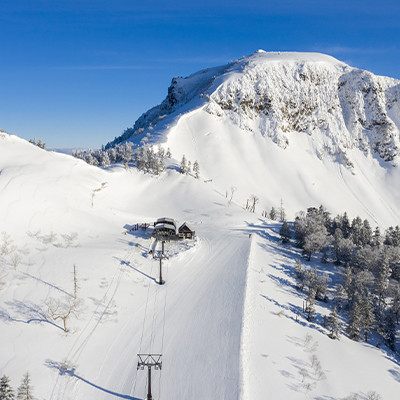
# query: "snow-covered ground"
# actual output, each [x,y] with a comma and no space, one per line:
[227,321]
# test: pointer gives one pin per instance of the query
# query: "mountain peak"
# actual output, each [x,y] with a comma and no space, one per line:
[281,94]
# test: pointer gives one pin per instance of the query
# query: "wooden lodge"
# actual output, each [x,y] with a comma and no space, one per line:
[184,232]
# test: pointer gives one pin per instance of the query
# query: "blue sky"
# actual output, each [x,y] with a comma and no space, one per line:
[76,73]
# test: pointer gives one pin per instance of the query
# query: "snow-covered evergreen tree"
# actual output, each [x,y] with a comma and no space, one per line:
[310,306]
[355,318]
[183,167]
[25,389]
[367,316]
[196,169]
[6,391]
[333,324]
[273,214]
[285,232]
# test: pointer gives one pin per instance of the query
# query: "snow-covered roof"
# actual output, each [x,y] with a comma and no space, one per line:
[165,226]
[183,225]
[165,220]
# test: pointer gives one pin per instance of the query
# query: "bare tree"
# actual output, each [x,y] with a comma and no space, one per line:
[6,244]
[15,259]
[63,310]
[254,200]
[233,189]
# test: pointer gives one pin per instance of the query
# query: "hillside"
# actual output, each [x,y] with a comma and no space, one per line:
[227,321]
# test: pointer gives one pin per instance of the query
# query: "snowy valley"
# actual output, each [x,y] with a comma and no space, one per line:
[288,130]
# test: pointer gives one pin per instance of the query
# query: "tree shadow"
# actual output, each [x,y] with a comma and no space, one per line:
[65,369]
[27,313]
[129,265]
[47,283]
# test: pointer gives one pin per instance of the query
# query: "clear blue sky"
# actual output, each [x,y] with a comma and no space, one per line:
[76,73]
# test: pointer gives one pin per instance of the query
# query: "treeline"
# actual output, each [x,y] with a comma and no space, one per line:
[144,157]
[369,293]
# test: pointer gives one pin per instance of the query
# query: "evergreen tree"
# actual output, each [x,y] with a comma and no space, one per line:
[300,275]
[310,306]
[105,161]
[348,278]
[341,298]
[6,391]
[366,233]
[183,166]
[273,214]
[196,169]
[390,330]
[367,315]
[376,238]
[168,153]
[333,324]
[356,228]
[25,389]
[285,232]
[345,226]
[355,318]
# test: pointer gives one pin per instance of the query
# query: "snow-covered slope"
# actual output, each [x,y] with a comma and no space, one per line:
[227,320]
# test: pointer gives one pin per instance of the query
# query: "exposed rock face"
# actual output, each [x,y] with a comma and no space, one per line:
[279,94]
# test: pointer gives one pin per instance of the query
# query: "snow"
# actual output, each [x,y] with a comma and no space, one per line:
[227,320]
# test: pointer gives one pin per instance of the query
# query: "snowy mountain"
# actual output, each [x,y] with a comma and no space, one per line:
[278,94]
[296,112]
[228,321]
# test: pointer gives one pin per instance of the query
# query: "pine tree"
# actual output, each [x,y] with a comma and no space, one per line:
[196,169]
[333,325]
[390,330]
[366,233]
[341,298]
[285,232]
[272,214]
[310,306]
[183,166]
[346,228]
[367,315]
[6,391]
[25,389]
[376,238]
[355,318]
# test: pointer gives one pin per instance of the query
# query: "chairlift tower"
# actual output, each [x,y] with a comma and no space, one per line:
[161,256]
[149,360]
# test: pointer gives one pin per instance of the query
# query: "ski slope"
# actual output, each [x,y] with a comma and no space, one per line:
[226,321]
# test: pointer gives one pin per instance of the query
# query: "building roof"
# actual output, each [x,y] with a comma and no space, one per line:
[183,226]
[166,220]
[165,226]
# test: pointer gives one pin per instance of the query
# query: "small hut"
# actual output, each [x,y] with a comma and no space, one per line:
[184,232]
